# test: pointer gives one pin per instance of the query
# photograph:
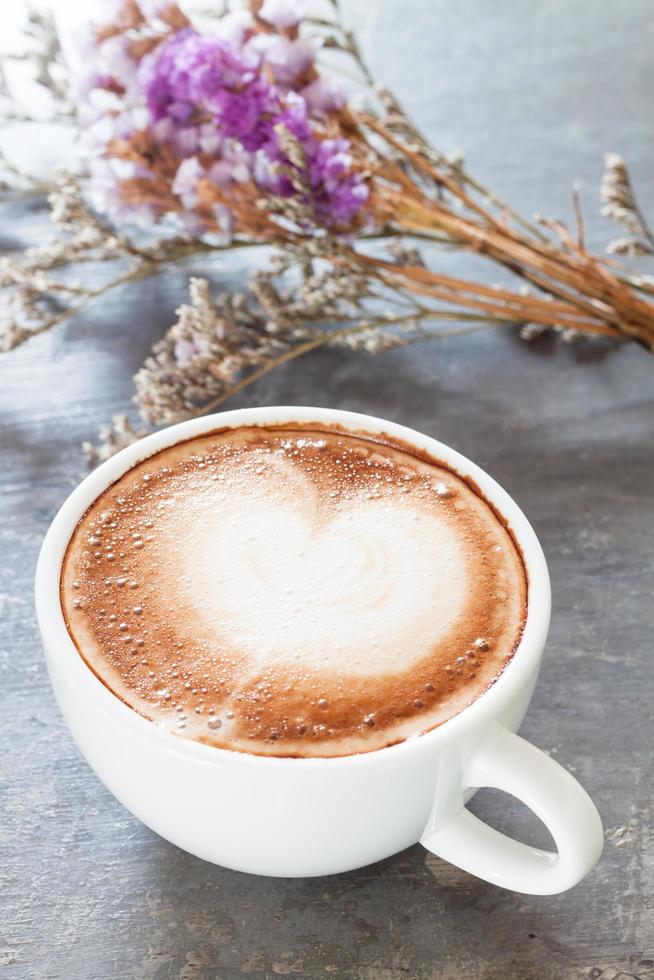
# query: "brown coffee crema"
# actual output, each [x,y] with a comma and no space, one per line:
[294,591]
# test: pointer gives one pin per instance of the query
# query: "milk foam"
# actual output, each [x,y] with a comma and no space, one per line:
[294,592]
[366,585]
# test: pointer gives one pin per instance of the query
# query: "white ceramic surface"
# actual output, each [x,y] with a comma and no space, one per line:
[301,817]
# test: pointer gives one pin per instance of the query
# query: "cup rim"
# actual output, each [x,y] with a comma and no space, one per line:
[61,651]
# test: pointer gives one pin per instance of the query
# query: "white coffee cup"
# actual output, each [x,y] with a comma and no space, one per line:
[301,817]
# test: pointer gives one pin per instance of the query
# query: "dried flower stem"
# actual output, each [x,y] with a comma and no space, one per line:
[409,128]
[568,273]
[329,336]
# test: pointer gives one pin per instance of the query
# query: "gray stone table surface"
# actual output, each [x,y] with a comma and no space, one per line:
[534,93]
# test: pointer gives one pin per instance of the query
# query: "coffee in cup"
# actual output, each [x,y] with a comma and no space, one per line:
[294,590]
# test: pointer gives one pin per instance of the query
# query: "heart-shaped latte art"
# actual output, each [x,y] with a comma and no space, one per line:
[282,572]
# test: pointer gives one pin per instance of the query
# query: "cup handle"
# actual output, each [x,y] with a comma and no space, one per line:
[515,766]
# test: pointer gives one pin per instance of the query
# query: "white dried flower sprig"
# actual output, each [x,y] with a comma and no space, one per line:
[15,183]
[34,301]
[112,438]
[219,344]
[620,205]
[44,53]
[201,355]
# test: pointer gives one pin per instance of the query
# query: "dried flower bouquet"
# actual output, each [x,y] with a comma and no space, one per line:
[197,138]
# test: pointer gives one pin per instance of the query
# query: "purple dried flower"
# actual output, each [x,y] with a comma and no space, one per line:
[287,60]
[271,162]
[324,95]
[337,191]
[223,173]
[226,107]
[295,117]
[109,63]
[192,77]
[282,14]
[236,26]
[233,167]
[104,194]
[186,180]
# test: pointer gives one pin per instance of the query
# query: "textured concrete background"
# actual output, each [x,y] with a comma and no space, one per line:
[534,94]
